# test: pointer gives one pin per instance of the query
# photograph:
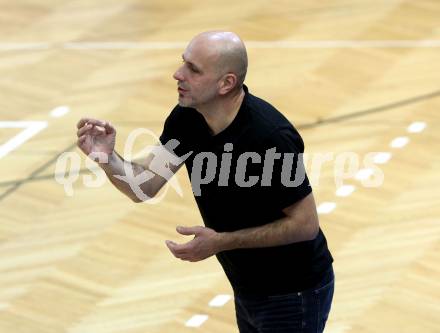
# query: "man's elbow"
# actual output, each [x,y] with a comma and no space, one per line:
[146,197]
[136,200]
[149,191]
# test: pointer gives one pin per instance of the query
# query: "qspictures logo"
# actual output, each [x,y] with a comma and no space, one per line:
[207,165]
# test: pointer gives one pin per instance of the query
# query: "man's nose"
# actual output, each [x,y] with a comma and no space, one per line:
[178,75]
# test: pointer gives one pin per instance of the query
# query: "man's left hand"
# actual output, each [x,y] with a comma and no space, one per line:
[206,242]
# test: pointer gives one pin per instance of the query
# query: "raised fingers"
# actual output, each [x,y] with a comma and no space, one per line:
[108,127]
[84,129]
[99,126]
[82,122]
[92,121]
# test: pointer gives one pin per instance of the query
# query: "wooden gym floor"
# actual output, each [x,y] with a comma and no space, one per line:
[351,75]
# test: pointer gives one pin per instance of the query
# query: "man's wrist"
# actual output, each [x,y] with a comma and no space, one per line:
[224,241]
[107,161]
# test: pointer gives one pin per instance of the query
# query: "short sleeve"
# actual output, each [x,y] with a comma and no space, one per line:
[173,134]
[289,182]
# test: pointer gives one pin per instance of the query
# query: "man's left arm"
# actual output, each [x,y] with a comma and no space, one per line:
[300,224]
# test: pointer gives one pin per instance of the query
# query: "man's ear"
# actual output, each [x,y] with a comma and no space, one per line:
[227,83]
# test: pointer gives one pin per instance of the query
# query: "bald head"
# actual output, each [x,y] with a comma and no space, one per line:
[226,51]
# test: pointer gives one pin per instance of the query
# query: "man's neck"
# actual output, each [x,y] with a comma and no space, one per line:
[221,114]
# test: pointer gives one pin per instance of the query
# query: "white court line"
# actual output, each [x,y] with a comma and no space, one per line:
[124,45]
[399,142]
[24,46]
[220,300]
[337,44]
[60,111]
[345,190]
[382,157]
[416,127]
[281,44]
[30,129]
[196,320]
[320,44]
[364,174]
[326,207]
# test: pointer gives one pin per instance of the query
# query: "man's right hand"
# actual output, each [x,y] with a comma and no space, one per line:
[96,136]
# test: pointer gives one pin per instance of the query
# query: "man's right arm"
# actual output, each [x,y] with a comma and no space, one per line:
[97,138]
[116,166]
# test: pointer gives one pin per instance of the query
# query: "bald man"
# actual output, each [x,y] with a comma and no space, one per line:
[249,182]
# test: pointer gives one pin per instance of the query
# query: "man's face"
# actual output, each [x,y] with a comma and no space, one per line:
[197,78]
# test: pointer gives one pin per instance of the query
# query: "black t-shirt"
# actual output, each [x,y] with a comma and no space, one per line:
[230,200]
